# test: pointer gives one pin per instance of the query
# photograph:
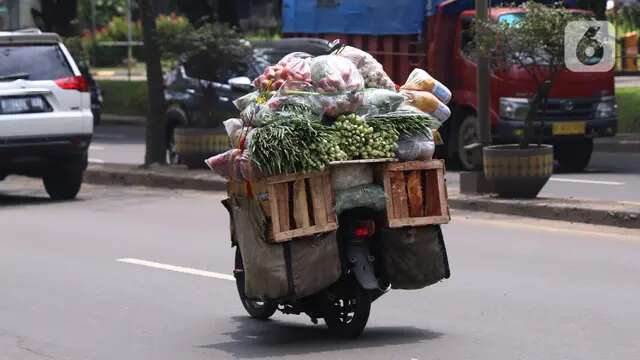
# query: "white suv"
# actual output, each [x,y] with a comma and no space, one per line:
[45,112]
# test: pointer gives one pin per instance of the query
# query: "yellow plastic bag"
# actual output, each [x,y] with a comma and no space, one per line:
[420,80]
[429,103]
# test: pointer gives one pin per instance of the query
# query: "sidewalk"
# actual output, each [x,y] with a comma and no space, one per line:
[611,213]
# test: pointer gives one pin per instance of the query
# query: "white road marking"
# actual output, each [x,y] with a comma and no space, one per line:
[180,269]
[96,161]
[95,147]
[579,181]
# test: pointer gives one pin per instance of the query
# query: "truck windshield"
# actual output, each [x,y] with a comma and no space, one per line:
[511,19]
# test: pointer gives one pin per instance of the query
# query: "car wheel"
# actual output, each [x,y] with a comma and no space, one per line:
[574,156]
[63,183]
[467,133]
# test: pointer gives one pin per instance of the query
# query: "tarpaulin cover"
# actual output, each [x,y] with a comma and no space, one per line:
[414,257]
[367,17]
[452,7]
[293,269]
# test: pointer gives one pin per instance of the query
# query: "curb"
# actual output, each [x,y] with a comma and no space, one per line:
[565,210]
[137,176]
[113,119]
[571,210]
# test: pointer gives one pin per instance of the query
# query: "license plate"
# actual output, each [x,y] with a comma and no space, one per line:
[569,128]
[20,105]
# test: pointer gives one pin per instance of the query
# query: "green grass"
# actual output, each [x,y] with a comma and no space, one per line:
[628,100]
[124,97]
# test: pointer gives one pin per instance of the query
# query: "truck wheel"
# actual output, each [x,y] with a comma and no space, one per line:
[467,133]
[63,183]
[574,156]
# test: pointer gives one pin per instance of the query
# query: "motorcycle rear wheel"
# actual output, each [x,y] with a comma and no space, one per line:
[347,315]
[261,310]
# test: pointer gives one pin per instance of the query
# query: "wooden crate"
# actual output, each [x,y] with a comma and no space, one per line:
[417,193]
[301,205]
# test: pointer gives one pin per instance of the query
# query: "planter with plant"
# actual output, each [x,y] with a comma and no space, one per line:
[532,41]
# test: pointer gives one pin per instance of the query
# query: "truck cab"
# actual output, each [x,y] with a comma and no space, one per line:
[581,105]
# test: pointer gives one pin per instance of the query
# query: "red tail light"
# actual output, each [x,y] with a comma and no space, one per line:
[73,83]
[364,229]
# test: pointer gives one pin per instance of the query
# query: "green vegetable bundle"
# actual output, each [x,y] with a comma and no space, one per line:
[405,123]
[293,142]
[360,140]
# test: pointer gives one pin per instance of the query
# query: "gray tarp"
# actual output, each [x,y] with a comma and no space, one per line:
[414,257]
[293,269]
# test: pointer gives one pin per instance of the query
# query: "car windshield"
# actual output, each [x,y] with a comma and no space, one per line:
[35,62]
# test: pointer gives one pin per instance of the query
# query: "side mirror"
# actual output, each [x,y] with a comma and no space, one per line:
[240,83]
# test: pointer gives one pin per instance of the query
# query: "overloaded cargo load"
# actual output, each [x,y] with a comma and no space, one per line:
[319,137]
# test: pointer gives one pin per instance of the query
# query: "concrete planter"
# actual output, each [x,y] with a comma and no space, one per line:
[194,145]
[516,172]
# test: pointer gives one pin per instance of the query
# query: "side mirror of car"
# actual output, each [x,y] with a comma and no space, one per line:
[241,83]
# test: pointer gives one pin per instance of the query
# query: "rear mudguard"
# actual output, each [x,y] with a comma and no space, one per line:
[361,263]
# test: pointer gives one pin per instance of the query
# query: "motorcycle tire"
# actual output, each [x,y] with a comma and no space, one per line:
[347,315]
[261,310]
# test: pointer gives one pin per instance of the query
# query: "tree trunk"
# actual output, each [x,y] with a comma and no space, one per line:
[156,136]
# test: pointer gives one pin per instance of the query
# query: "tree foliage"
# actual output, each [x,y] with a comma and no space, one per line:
[534,42]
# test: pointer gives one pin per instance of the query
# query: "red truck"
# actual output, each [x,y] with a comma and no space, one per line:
[581,105]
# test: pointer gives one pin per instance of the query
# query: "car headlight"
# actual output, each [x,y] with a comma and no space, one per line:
[606,108]
[514,108]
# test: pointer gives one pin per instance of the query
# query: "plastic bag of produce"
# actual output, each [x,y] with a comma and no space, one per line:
[343,103]
[380,101]
[428,103]
[370,69]
[294,66]
[296,95]
[420,80]
[223,164]
[242,102]
[419,147]
[234,128]
[331,74]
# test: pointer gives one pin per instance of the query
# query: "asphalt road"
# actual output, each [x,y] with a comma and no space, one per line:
[610,176]
[520,289]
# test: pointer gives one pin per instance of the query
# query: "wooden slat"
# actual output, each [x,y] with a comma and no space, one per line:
[414,193]
[300,206]
[421,221]
[288,235]
[291,177]
[432,194]
[399,194]
[273,204]
[282,198]
[416,165]
[319,204]
[442,187]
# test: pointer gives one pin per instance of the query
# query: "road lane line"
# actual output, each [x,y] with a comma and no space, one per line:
[95,147]
[96,161]
[596,182]
[180,269]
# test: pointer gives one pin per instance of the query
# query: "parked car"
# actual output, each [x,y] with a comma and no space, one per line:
[45,112]
[197,103]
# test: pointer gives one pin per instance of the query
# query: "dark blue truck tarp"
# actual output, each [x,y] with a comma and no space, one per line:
[368,17]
